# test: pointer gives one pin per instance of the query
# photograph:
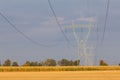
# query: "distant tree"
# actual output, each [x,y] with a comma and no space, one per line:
[71,63]
[40,64]
[0,63]
[103,63]
[27,63]
[34,63]
[15,64]
[64,62]
[49,62]
[7,63]
[119,64]
[76,62]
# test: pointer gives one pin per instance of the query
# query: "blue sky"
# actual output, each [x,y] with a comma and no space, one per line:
[35,19]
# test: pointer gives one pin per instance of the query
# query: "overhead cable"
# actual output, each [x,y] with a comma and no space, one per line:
[24,35]
[106,19]
[58,23]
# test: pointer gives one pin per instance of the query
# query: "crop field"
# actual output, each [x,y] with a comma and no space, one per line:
[58,68]
[61,75]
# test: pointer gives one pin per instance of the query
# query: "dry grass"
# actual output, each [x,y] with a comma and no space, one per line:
[58,68]
[62,75]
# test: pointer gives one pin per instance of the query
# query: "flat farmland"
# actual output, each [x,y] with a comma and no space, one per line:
[62,75]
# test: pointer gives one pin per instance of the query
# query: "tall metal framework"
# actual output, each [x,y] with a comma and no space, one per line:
[85,52]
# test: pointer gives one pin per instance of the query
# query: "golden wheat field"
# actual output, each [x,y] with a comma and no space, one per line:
[60,73]
[58,68]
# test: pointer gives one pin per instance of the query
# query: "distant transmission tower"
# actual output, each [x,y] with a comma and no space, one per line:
[85,53]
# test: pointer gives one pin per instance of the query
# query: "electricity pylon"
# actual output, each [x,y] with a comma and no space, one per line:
[84,52]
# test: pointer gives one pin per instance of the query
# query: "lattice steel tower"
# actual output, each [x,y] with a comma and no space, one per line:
[85,53]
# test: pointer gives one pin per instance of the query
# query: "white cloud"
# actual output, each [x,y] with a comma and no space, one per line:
[88,19]
[52,21]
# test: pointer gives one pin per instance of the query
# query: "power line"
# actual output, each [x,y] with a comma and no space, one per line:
[24,35]
[57,21]
[106,18]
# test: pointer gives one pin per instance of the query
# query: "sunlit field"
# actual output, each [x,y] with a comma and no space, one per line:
[61,73]
[58,68]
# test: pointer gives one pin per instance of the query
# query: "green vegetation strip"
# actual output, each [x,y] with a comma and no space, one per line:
[61,68]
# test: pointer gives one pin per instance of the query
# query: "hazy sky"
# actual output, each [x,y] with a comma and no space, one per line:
[35,19]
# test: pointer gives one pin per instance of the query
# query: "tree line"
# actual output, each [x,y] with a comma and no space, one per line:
[49,62]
